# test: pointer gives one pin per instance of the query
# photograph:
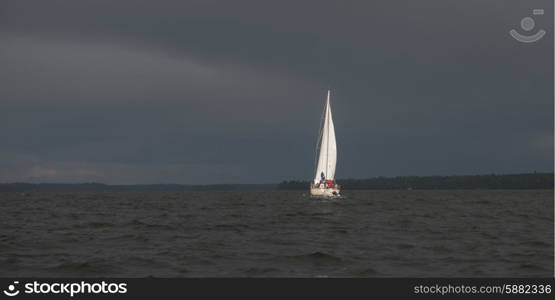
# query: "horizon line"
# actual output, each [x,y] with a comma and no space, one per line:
[273,183]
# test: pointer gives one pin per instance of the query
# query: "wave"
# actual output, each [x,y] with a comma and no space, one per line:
[256,271]
[304,214]
[139,223]
[99,224]
[314,257]
[233,226]
[87,267]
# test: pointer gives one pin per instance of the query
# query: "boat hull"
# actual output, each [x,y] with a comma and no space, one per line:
[332,192]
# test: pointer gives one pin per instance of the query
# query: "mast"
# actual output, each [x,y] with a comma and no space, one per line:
[328,132]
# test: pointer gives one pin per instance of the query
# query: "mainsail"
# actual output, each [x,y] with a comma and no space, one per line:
[328,149]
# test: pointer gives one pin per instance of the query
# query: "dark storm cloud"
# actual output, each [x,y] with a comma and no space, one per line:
[231,91]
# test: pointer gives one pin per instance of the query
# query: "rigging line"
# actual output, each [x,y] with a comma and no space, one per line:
[318,146]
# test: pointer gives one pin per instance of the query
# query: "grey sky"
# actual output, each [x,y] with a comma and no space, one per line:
[232,91]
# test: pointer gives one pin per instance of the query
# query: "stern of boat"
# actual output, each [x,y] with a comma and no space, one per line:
[323,191]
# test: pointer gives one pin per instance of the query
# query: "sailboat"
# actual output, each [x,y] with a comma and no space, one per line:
[324,184]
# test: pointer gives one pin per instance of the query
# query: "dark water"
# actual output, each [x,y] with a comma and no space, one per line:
[478,233]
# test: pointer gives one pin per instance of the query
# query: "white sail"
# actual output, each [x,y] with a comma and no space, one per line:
[327,158]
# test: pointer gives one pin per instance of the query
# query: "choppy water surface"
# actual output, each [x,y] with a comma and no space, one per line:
[478,233]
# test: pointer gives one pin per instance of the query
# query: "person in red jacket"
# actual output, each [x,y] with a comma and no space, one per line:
[330,183]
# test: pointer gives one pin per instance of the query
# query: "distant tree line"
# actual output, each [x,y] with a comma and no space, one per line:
[493,181]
